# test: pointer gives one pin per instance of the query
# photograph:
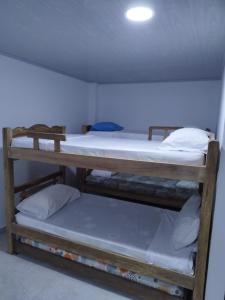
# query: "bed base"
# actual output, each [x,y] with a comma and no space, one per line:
[98,277]
[205,174]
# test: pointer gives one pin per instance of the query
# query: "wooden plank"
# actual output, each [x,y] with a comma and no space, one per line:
[21,131]
[38,181]
[163,170]
[122,285]
[165,129]
[62,170]
[108,257]
[36,143]
[80,176]
[46,136]
[9,188]
[134,197]
[85,128]
[206,218]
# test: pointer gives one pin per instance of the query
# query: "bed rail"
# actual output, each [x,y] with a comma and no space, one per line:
[85,128]
[163,170]
[56,137]
[166,130]
[33,186]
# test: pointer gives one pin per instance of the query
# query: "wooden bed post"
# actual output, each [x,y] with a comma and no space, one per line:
[9,188]
[63,177]
[206,218]
[81,175]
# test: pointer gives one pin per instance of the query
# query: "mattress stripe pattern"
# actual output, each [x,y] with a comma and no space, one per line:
[145,280]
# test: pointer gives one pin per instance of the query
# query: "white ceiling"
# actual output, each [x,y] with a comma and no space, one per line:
[92,40]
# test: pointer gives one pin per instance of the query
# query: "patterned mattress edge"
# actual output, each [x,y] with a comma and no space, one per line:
[159,187]
[145,280]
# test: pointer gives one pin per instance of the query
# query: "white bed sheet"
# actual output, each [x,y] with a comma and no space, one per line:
[133,149]
[122,135]
[119,226]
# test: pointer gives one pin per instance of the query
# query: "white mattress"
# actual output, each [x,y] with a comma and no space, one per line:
[127,228]
[122,135]
[111,147]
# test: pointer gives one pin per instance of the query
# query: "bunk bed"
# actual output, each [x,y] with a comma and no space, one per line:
[51,145]
[145,189]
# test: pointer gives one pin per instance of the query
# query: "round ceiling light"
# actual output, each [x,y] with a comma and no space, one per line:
[139,14]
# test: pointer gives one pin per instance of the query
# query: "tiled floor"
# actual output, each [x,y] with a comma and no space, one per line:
[24,279]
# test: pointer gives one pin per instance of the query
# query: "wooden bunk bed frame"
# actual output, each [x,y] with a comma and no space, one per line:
[85,186]
[205,174]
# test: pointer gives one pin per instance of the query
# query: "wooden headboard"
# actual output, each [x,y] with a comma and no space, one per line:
[166,130]
[22,131]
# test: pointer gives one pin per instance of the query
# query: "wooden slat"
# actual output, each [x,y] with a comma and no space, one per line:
[85,128]
[47,136]
[22,131]
[38,181]
[206,218]
[80,176]
[163,170]
[106,256]
[36,144]
[165,129]
[62,170]
[122,285]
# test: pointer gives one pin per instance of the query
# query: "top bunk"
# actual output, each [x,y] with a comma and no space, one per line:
[134,155]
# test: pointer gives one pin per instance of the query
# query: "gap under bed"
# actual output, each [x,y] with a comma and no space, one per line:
[132,229]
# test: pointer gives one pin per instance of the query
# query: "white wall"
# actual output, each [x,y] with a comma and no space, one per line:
[92,98]
[215,288]
[29,95]
[137,106]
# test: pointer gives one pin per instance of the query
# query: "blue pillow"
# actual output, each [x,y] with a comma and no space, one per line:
[106,126]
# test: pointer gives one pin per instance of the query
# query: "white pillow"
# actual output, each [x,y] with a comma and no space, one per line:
[48,201]
[187,225]
[187,139]
[102,173]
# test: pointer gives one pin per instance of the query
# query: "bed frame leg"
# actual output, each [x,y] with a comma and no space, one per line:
[81,174]
[206,219]
[62,169]
[9,188]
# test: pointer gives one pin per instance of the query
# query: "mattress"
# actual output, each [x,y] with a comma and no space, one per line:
[146,185]
[99,265]
[122,135]
[128,228]
[111,147]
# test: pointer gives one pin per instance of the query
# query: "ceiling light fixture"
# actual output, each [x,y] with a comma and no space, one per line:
[139,14]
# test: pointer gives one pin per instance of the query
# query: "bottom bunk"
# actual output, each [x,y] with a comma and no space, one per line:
[131,229]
